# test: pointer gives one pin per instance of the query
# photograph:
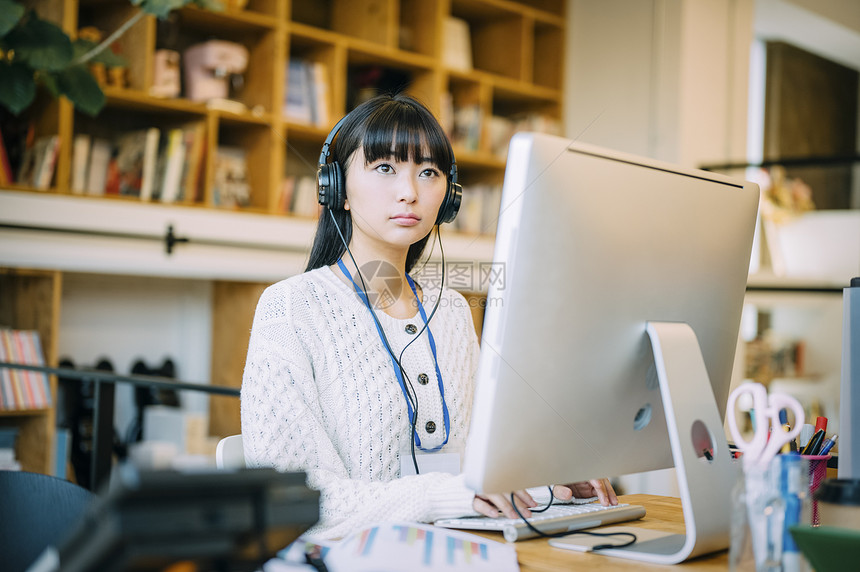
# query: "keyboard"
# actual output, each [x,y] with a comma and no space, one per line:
[557,518]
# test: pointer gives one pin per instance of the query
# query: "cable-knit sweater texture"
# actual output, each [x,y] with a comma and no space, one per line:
[319,394]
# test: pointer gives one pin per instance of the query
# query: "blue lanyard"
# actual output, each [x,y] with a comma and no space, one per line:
[397,370]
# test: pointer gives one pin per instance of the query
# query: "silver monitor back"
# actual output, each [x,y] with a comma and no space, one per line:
[594,244]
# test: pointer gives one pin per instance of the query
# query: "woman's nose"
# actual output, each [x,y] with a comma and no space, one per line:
[408,190]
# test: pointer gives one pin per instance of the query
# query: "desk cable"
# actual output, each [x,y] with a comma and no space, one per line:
[572,532]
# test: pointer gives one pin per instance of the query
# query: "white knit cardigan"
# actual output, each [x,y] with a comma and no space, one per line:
[319,394]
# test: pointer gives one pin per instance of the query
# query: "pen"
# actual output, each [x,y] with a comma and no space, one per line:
[828,444]
[814,443]
[787,428]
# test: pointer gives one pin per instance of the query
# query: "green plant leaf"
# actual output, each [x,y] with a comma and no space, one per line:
[160,8]
[39,43]
[81,88]
[10,14]
[17,87]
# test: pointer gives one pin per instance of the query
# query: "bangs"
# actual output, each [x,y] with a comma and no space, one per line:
[404,133]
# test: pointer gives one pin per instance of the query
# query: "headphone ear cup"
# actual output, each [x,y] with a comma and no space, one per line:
[330,186]
[450,204]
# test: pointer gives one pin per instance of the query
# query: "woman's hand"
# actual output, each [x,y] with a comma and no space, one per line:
[490,505]
[600,488]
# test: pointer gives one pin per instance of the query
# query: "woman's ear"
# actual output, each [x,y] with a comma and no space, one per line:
[345,204]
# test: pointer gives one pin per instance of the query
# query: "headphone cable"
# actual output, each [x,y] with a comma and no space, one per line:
[410,394]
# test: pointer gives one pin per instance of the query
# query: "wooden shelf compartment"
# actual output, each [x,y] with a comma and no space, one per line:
[371,20]
[498,37]
[548,56]
[419,27]
[228,20]
[469,100]
[333,58]
[136,45]
[45,117]
[30,300]
[264,43]
[368,75]
[260,144]
[274,8]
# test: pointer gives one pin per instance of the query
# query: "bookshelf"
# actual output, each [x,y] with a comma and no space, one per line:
[360,45]
[30,300]
[517,69]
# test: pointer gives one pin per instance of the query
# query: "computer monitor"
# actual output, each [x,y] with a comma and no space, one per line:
[611,327]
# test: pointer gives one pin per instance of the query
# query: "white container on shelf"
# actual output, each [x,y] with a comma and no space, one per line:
[817,244]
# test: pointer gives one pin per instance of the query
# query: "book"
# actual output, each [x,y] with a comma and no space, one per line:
[6,175]
[150,160]
[100,156]
[305,197]
[285,197]
[319,93]
[47,149]
[174,160]
[19,388]
[297,103]
[457,47]
[467,127]
[80,162]
[231,187]
[194,139]
[130,151]
[411,545]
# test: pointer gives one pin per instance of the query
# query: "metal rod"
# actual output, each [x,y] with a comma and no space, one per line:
[108,377]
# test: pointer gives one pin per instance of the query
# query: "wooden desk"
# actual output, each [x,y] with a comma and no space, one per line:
[662,513]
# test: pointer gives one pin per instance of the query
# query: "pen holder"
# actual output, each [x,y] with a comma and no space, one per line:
[817,474]
[765,502]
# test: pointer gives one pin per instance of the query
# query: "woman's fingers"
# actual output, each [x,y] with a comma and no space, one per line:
[490,505]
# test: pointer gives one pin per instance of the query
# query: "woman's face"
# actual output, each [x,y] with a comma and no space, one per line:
[393,202]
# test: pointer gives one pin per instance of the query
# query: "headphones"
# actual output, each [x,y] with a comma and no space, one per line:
[331,183]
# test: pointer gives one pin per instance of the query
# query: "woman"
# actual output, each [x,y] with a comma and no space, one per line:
[348,377]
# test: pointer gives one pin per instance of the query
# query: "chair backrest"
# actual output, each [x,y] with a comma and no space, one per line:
[36,511]
[229,453]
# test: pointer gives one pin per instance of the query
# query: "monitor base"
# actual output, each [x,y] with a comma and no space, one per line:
[694,423]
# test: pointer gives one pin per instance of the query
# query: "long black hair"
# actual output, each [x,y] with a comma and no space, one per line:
[397,126]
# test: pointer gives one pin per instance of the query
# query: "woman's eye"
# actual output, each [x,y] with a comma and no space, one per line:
[385,168]
[430,173]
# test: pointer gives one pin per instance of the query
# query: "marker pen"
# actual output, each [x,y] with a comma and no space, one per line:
[821,423]
[814,443]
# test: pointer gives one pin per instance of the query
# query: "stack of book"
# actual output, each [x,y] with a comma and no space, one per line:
[19,388]
[231,187]
[149,164]
[307,93]
[299,196]
[37,164]
[479,210]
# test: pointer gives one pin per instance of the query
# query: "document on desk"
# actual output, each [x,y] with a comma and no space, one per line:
[409,546]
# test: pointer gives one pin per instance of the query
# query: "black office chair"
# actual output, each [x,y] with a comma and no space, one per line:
[36,511]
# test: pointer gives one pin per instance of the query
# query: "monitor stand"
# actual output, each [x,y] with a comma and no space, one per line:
[691,415]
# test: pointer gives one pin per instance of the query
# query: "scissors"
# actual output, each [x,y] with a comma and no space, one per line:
[768,435]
